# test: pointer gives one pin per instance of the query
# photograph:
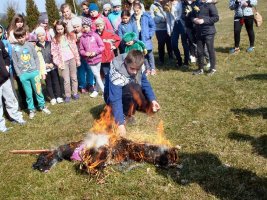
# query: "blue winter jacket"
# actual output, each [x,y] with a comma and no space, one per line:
[148,29]
[127,28]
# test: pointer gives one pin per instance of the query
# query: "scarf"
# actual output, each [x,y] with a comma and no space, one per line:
[138,20]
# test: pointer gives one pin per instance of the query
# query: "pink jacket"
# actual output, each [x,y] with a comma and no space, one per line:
[108,25]
[57,53]
[91,42]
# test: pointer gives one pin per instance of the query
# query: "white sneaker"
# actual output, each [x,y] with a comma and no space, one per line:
[60,100]
[53,102]
[31,114]
[193,59]
[46,111]
[94,94]
[207,67]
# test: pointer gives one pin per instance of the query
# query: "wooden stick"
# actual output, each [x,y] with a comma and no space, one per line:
[29,151]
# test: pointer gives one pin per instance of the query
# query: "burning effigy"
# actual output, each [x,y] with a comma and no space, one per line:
[103,147]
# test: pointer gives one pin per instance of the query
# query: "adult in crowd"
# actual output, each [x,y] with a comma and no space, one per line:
[160,19]
[243,15]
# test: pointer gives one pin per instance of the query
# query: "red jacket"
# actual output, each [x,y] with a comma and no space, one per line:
[109,39]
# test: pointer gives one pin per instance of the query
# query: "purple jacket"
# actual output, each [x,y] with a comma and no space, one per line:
[91,42]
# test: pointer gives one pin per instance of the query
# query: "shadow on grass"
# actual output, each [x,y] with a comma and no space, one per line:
[223,49]
[215,178]
[259,144]
[96,111]
[260,77]
[251,112]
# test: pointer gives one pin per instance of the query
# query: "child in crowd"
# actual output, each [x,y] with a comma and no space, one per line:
[17,22]
[111,42]
[176,29]
[115,16]
[49,32]
[26,64]
[52,78]
[66,57]
[128,5]
[6,92]
[42,69]
[84,73]
[91,48]
[160,19]
[132,43]
[146,28]
[67,16]
[126,26]
[106,9]
[204,16]
[94,15]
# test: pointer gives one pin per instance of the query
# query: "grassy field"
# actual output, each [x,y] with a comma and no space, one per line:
[219,121]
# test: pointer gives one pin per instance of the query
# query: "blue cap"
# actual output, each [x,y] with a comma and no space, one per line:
[93,6]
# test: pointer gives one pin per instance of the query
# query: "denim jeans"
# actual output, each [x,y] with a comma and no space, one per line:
[85,75]
[178,30]
[149,60]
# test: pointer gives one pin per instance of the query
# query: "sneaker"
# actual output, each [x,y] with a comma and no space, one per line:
[45,110]
[94,94]
[5,130]
[207,67]
[250,49]
[234,50]
[91,88]
[60,100]
[153,72]
[130,120]
[211,72]
[67,99]
[20,122]
[31,114]
[53,102]
[198,72]
[75,96]
[83,91]
[193,59]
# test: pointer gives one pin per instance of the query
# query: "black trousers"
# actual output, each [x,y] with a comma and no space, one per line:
[53,84]
[134,99]
[207,40]
[163,38]
[238,24]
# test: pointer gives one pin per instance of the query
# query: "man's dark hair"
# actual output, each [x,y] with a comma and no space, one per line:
[135,57]
[19,32]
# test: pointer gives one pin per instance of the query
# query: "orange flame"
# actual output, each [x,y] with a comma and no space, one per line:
[161,139]
[105,124]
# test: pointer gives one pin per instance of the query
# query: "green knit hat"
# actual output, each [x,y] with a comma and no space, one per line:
[129,37]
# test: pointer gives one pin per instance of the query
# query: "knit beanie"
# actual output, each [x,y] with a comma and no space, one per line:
[32,37]
[106,6]
[76,21]
[129,37]
[86,21]
[100,21]
[93,6]
[39,30]
[116,3]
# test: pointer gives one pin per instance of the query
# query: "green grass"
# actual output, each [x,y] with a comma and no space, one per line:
[219,121]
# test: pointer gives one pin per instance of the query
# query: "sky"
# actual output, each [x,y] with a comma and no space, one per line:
[22,5]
